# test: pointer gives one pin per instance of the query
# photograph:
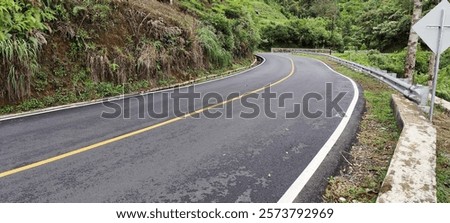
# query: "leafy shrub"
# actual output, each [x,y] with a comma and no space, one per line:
[64,97]
[301,33]
[216,55]
[31,104]
[246,36]
[276,35]
[105,89]
[6,109]
[40,82]
[20,17]
[443,87]
[229,24]
[136,86]
[19,44]
[18,64]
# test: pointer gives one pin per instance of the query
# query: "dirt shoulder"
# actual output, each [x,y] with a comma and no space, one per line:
[442,124]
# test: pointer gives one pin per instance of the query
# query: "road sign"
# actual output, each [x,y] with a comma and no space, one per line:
[429,27]
[434,29]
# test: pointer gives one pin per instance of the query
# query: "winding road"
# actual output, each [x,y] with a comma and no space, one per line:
[76,155]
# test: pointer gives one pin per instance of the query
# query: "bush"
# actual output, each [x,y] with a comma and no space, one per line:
[395,62]
[246,36]
[106,89]
[6,109]
[310,32]
[302,33]
[20,17]
[216,55]
[31,104]
[19,44]
[277,35]
[443,87]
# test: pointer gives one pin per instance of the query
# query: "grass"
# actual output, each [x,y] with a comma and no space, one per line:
[216,55]
[264,13]
[369,158]
[442,124]
[18,64]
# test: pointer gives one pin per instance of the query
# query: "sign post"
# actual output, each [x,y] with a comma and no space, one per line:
[432,29]
[436,64]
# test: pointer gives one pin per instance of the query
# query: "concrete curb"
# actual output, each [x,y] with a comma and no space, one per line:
[411,177]
[443,103]
[124,96]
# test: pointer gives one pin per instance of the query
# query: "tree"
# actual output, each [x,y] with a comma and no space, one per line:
[410,63]
[431,64]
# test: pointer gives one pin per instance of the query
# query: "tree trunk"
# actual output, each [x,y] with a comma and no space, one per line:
[431,65]
[410,64]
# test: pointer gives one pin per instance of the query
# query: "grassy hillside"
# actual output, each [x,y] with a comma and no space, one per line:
[55,52]
[88,49]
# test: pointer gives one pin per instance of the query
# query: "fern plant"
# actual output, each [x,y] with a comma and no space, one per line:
[20,21]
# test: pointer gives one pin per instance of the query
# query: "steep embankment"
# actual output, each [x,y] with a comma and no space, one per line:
[91,49]
[56,52]
[118,42]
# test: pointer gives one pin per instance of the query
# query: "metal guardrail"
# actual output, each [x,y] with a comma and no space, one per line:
[416,93]
[298,50]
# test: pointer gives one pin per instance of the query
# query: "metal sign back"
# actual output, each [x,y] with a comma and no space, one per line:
[428,27]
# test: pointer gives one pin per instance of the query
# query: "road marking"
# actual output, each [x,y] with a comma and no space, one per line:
[137,132]
[298,185]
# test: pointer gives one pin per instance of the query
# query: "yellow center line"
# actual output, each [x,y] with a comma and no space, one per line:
[137,132]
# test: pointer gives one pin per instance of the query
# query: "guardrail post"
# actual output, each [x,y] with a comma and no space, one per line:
[423,92]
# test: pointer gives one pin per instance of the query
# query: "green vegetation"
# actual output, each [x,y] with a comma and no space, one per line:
[216,54]
[55,52]
[442,123]
[228,27]
[443,178]
[395,62]
[19,18]
[22,24]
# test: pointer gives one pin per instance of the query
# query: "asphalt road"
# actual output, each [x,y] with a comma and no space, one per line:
[186,159]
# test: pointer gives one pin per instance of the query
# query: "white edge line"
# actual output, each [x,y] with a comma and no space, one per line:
[115,98]
[298,185]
